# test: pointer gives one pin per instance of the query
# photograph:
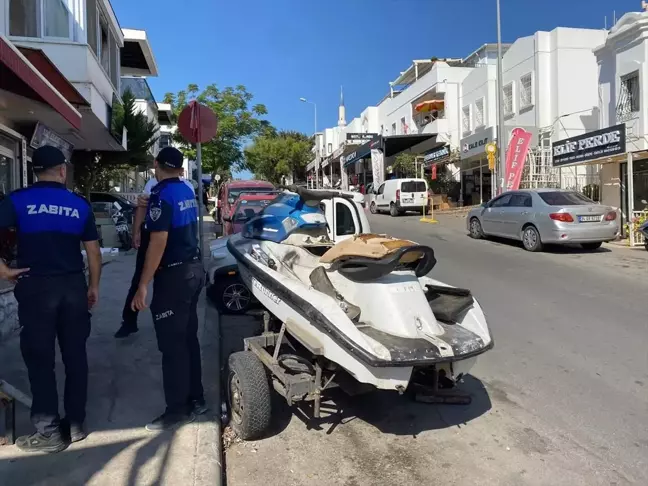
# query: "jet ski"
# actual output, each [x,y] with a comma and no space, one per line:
[364,306]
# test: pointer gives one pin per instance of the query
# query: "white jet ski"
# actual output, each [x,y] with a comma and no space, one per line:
[364,306]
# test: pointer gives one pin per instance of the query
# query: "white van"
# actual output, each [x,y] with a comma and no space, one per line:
[400,195]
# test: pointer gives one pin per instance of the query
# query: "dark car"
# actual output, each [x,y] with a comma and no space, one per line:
[128,207]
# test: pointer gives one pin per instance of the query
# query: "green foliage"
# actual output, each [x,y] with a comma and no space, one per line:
[274,155]
[405,165]
[93,170]
[238,121]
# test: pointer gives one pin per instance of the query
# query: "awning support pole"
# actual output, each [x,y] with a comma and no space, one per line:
[631,197]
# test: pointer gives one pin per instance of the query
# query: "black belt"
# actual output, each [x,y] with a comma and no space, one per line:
[177,264]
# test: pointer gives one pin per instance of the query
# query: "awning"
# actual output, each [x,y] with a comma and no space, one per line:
[430,105]
[395,144]
[362,151]
[18,75]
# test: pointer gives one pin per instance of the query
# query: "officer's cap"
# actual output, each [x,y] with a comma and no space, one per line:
[170,157]
[47,157]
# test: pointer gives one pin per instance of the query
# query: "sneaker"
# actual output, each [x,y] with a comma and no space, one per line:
[38,442]
[126,330]
[168,421]
[73,431]
[198,407]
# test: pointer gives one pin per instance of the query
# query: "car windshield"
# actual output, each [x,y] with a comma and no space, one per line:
[235,193]
[247,210]
[565,198]
[413,186]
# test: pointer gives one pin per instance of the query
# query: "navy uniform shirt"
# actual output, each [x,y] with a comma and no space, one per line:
[173,208]
[51,222]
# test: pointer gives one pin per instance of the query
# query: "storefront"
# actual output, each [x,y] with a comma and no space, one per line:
[436,156]
[623,173]
[357,164]
[476,176]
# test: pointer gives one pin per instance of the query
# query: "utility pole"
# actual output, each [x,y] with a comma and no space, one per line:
[317,154]
[501,142]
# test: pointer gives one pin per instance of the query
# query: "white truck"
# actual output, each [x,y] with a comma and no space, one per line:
[345,218]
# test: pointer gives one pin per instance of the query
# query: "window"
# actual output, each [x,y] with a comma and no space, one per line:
[165,140]
[23,18]
[40,18]
[91,22]
[344,224]
[102,41]
[465,118]
[520,201]
[526,91]
[330,148]
[565,198]
[413,186]
[381,189]
[508,99]
[404,126]
[630,93]
[501,201]
[479,113]
[393,128]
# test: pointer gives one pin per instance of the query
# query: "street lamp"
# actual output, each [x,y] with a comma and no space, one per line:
[304,100]
[501,143]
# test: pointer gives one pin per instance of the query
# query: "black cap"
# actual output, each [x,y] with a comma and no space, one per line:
[170,157]
[47,157]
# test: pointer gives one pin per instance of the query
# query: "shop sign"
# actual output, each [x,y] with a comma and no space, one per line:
[43,135]
[476,144]
[359,138]
[590,146]
[437,154]
[516,157]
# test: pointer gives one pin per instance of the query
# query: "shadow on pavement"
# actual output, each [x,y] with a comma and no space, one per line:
[548,248]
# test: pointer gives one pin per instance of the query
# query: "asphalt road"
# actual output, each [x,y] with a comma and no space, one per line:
[561,399]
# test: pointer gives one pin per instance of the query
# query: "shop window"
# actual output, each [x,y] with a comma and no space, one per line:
[344,224]
[526,91]
[465,118]
[629,95]
[479,113]
[6,175]
[508,99]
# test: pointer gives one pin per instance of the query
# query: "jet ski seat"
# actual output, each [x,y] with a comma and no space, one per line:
[368,257]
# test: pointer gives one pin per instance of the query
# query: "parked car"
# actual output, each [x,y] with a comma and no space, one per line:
[246,207]
[545,216]
[399,196]
[230,191]
[127,207]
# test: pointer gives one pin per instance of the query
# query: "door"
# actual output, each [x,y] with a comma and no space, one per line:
[492,215]
[515,214]
[345,222]
[380,196]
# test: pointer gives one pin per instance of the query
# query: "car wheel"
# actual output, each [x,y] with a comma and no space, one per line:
[646,245]
[393,212]
[230,296]
[476,231]
[372,208]
[531,239]
[591,246]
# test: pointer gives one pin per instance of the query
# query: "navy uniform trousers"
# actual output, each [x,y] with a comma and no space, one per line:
[51,307]
[174,306]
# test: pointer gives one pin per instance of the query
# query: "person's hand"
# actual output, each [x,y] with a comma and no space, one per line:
[12,274]
[93,297]
[142,200]
[137,239]
[139,301]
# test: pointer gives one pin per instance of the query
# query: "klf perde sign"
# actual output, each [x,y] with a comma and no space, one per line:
[589,146]
[476,144]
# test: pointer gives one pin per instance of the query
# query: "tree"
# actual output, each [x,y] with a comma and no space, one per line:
[275,155]
[238,121]
[405,165]
[97,168]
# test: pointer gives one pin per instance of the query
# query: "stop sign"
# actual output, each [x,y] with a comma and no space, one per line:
[197,123]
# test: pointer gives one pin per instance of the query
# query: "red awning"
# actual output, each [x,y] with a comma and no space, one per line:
[38,87]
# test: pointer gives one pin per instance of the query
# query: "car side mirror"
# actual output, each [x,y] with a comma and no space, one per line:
[484,205]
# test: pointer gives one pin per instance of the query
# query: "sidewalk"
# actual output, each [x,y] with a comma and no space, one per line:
[125,392]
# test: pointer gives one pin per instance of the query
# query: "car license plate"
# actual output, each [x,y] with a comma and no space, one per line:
[589,219]
[408,200]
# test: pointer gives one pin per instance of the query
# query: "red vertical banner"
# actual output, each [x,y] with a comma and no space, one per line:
[434,172]
[515,158]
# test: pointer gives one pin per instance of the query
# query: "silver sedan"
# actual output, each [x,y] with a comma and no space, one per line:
[539,216]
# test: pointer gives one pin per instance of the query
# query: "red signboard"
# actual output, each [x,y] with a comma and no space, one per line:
[515,158]
[434,172]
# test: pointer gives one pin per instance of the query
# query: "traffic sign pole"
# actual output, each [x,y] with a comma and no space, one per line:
[201,207]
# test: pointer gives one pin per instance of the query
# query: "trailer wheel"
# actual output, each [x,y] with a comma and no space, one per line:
[248,395]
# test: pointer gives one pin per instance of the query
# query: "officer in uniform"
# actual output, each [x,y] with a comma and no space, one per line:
[173,258]
[53,296]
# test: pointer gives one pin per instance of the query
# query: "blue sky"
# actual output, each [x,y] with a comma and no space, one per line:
[282,50]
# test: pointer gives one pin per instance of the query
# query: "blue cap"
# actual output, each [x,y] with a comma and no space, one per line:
[47,157]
